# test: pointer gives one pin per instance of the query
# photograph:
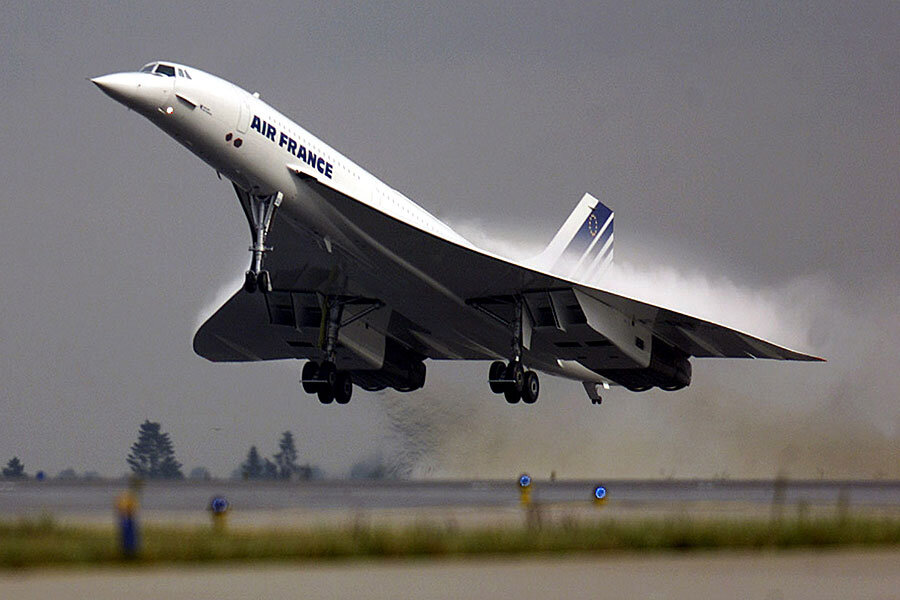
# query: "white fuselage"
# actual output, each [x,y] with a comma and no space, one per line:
[258,148]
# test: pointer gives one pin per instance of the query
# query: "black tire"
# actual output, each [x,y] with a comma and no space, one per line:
[343,387]
[249,282]
[264,282]
[672,388]
[532,388]
[417,375]
[516,374]
[325,393]
[310,371]
[327,374]
[497,371]
[512,395]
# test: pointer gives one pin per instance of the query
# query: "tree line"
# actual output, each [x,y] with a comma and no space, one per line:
[152,456]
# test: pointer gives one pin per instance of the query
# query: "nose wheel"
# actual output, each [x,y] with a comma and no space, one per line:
[261,281]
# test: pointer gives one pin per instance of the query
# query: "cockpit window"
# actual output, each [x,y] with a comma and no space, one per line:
[186,74]
[167,70]
[148,68]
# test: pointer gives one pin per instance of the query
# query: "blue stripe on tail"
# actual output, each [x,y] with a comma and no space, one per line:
[588,242]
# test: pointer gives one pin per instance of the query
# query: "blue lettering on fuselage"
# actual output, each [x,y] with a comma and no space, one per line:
[267,130]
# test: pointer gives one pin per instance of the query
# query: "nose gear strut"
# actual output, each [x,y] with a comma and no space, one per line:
[260,212]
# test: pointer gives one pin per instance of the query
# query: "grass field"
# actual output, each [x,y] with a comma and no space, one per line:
[43,542]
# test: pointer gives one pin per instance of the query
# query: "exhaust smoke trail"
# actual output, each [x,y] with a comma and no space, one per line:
[738,419]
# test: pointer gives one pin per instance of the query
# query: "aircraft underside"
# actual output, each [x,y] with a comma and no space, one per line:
[314,300]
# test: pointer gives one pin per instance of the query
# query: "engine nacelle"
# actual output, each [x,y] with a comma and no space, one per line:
[669,369]
[402,370]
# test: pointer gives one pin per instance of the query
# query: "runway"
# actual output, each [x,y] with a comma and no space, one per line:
[275,502]
[815,575]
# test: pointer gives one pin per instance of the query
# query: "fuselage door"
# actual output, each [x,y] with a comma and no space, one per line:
[243,118]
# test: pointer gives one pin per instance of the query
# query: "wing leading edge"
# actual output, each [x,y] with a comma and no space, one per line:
[474,274]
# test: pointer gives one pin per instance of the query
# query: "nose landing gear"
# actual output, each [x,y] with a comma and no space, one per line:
[260,212]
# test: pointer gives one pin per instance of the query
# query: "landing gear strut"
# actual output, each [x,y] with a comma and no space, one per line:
[260,211]
[325,380]
[512,380]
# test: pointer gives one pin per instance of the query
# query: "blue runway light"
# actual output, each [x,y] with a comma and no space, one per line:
[599,492]
[524,480]
[218,505]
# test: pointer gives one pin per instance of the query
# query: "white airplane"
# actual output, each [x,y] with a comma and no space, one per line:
[366,285]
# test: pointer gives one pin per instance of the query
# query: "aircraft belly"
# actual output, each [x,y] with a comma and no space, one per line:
[421,284]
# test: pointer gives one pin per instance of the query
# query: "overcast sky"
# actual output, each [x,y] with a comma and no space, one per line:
[751,152]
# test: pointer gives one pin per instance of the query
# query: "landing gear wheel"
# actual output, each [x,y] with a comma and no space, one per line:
[497,371]
[516,373]
[327,375]
[309,373]
[249,282]
[343,387]
[326,394]
[516,376]
[532,388]
[264,282]
[512,395]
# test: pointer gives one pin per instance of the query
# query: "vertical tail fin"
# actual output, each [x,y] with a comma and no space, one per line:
[582,249]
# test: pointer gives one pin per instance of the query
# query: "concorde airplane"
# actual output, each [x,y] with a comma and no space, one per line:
[366,285]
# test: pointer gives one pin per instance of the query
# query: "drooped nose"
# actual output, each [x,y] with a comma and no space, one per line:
[121,87]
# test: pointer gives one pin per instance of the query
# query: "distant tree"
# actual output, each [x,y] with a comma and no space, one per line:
[152,455]
[252,468]
[67,474]
[170,468]
[308,471]
[270,470]
[200,473]
[91,475]
[14,469]
[286,458]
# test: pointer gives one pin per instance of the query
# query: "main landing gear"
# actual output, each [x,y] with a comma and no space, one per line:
[260,212]
[511,379]
[325,380]
[514,382]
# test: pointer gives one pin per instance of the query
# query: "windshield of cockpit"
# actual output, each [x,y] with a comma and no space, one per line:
[164,70]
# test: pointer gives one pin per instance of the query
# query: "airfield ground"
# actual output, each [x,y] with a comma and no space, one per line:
[809,539]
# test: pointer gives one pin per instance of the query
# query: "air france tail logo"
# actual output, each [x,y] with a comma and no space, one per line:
[290,144]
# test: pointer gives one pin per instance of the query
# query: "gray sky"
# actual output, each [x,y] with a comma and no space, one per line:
[750,152]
